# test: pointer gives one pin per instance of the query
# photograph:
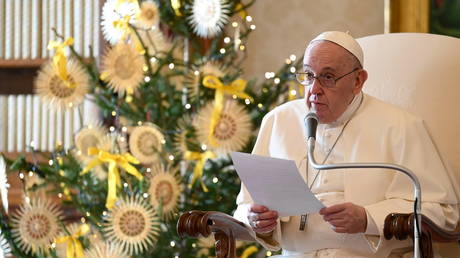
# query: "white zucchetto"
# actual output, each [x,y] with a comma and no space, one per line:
[344,40]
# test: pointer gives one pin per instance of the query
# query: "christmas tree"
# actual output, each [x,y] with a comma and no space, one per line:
[174,101]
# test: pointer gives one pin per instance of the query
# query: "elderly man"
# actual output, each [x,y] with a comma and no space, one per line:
[354,127]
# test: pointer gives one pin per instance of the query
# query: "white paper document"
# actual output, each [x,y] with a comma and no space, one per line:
[275,183]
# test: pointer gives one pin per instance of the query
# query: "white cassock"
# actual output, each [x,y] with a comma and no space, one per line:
[376,132]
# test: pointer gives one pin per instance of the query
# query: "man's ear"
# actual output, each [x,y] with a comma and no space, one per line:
[360,79]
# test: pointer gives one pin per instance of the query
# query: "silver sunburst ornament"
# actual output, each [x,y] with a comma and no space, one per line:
[5,249]
[209,17]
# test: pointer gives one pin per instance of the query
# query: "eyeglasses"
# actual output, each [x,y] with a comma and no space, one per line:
[326,80]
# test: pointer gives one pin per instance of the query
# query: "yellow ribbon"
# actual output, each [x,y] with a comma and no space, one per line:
[60,60]
[74,246]
[175,4]
[242,12]
[235,88]
[114,161]
[299,92]
[123,26]
[120,2]
[248,251]
[201,158]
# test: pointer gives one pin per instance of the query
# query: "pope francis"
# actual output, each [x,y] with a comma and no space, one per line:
[354,127]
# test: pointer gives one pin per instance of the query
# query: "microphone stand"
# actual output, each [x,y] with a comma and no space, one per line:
[312,121]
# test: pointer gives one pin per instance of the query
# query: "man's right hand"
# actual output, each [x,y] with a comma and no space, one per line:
[261,219]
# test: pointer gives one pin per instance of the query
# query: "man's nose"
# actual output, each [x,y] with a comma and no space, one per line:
[316,88]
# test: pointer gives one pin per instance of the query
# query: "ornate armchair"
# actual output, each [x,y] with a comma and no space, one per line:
[419,72]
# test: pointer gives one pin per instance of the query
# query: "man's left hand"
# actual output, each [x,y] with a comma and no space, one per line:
[345,217]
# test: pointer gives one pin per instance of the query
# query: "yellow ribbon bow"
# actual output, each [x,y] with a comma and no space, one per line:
[115,161]
[74,246]
[201,158]
[235,88]
[248,251]
[123,26]
[241,11]
[60,60]
[120,2]
[175,4]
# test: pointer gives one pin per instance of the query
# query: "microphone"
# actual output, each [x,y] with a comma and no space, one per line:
[311,123]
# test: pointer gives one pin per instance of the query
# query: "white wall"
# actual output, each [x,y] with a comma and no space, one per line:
[284,27]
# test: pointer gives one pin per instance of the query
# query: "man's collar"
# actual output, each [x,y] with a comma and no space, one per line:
[354,105]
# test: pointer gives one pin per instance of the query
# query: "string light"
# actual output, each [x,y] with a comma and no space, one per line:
[53,245]
[269,75]
[60,195]
[249,18]
[204,147]
[276,80]
[31,173]
[27,199]
[147,79]
[124,129]
[21,175]
[242,47]
[226,40]
[260,105]
[292,69]
[188,106]
[288,61]
[104,213]
[163,141]
[247,101]
[153,60]
[234,24]
[171,66]
[269,253]
[222,50]
[215,180]
[83,220]
[70,104]
[88,214]
[148,170]
[292,58]
[146,195]
[125,184]
[145,67]
[253,26]
[234,96]
[171,157]
[293,92]
[139,123]
[122,139]
[50,162]
[172,243]
[112,129]
[196,73]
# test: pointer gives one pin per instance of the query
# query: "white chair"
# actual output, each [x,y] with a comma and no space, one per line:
[420,73]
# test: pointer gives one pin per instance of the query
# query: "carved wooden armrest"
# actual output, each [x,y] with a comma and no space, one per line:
[400,226]
[226,230]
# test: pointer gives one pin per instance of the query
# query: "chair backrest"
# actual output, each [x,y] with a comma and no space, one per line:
[420,73]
